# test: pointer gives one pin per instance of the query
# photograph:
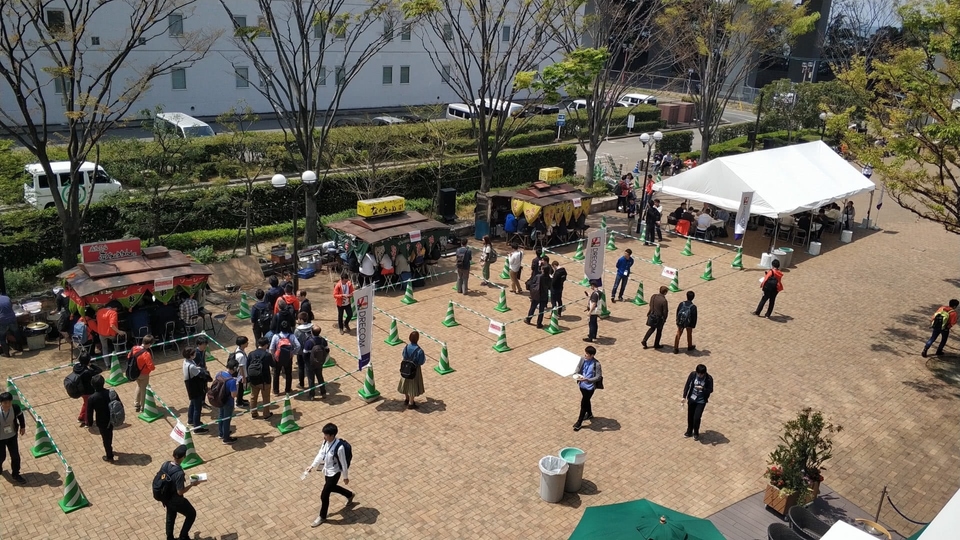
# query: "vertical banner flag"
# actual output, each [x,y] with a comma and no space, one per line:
[593,262]
[743,214]
[364,298]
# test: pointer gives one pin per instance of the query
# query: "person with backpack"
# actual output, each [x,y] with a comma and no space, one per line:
[941,322]
[696,393]
[303,332]
[169,487]
[624,264]
[686,320]
[771,285]
[286,315]
[289,298]
[589,377]
[259,363]
[274,292]
[139,367]
[412,359]
[195,378]
[10,417]
[336,456]
[464,258]
[657,315]
[488,256]
[84,371]
[284,346]
[261,315]
[200,359]
[556,286]
[342,295]
[240,355]
[539,286]
[108,327]
[98,411]
[305,305]
[222,394]
[84,329]
[316,349]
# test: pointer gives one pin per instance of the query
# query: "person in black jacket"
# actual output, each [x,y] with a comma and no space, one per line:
[686,320]
[653,219]
[259,363]
[98,410]
[195,379]
[286,314]
[274,292]
[540,285]
[696,393]
[305,306]
[86,371]
[261,311]
[556,286]
[10,417]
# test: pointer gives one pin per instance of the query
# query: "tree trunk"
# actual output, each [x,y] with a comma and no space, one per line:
[591,163]
[486,174]
[310,231]
[248,218]
[71,243]
[704,146]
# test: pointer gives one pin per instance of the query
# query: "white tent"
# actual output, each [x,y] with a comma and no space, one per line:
[842,530]
[784,180]
[946,524]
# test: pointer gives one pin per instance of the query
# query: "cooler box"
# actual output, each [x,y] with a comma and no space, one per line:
[307,273]
[551,173]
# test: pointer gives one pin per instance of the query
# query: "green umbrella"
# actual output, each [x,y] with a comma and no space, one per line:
[642,520]
[917,534]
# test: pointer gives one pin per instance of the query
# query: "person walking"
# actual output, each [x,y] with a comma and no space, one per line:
[556,286]
[624,264]
[942,321]
[464,258]
[10,417]
[176,503]
[86,371]
[259,363]
[593,309]
[240,355]
[342,295]
[98,410]
[771,285]
[226,409]
[195,379]
[686,320]
[412,360]
[515,264]
[283,346]
[589,378]
[696,393]
[144,358]
[336,464]
[657,315]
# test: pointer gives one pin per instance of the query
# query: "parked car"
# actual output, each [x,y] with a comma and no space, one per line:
[182,125]
[388,120]
[632,100]
[544,109]
[36,187]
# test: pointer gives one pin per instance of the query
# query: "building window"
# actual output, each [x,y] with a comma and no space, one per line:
[175,25]
[243,76]
[341,75]
[318,31]
[339,29]
[323,76]
[405,33]
[94,40]
[387,74]
[447,32]
[59,85]
[179,79]
[503,72]
[239,21]
[388,27]
[445,73]
[505,33]
[404,74]
[56,20]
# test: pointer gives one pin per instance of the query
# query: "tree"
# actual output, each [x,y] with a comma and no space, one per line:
[306,53]
[479,48]
[435,137]
[726,40]
[57,77]
[860,28]
[794,106]
[375,154]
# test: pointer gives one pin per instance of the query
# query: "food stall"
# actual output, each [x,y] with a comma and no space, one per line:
[550,207]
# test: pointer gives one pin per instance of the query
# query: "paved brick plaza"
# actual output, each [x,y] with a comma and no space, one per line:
[845,338]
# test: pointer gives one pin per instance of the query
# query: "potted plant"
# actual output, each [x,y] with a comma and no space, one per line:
[795,467]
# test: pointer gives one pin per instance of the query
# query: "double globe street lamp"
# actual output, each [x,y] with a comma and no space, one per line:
[279,182]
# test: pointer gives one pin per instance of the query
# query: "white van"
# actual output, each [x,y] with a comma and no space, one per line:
[184,126]
[36,188]
[460,111]
[632,100]
[499,106]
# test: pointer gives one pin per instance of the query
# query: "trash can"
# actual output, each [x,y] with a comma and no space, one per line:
[780,255]
[814,248]
[765,260]
[36,334]
[787,258]
[575,458]
[846,237]
[553,473]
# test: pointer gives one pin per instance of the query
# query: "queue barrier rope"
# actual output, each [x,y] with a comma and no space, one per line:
[422,333]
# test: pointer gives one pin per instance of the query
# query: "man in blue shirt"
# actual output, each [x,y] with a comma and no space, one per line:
[624,264]
[226,411]
[8,323]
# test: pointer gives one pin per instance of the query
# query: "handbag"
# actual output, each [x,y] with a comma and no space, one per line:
[599,384]
[653,320]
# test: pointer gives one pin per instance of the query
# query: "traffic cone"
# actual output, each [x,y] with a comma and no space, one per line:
[611,244]
[394,338]
[443,366]
[686,249]
[192,458]
[638,299]
[738,260]
[656,255]
[505,273]
[554,327]
[708,273]
[369,391]
[604,312]
[353,307]
[450,321]
[408,295]
[603,222]
[116,375]
[12,388]
[42,445]
[244,307]
[501,345]
[579,256]
[287,423]
[643,235]
[502,304]
[675,283]
[585,282]
[150,412]
[73,498]
[329,362]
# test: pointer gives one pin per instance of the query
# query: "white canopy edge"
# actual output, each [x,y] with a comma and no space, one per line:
[842,530]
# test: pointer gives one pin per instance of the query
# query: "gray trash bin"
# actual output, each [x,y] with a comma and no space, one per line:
[553,473]
[575,458]
[787,258]
[780,255]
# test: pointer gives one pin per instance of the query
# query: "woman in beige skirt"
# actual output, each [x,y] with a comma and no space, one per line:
[413,386]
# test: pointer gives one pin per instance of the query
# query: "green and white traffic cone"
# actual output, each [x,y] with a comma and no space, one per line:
[579,256]
[73,498]
[675,283]
[443,366]
[738,260]
[638,299]
[604,312]
[611,244]
[369,391]
[408,295]
[150,412]
[450,321]
[244,307]
[643,235]
[687,251]
[287,422]
[708,273]
[585,282]
[394,338]
[502,304]
[501,345]
[656,255]
[329,362]
[42,445]
[554,327]
[12,388]
[603,222]
[116,375]
[192,458]
[505,273]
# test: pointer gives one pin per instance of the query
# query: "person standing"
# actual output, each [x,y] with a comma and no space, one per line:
[107,327]
[10,417]
[624,264]
[283,346]
[144,358]
[240,355]
[274,292]
[515,264]
[487,256]
[849,213]
[686,320]
[226,409]
[413,386]
[86,371]
[556,286]
[537,263]
[657,315]
[98,410]
[200,359]
[303,332]
[652,218]
[261,315]
[696,393]
[659,208]
[464,258]
[317,350]
[540,285]
[8,323]
[333,455]
[589,378]
[305,305]
[259,363]
[195,379]
[343,295]
[177,503]
[593,309]
[771,285]
[941,323]
[286,316]
[289,298]
[368,268]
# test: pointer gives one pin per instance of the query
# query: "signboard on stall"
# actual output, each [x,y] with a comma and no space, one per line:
[114,250]
[163,284]
[384,206]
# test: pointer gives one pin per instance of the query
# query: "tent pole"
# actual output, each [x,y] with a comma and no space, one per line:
[776,231]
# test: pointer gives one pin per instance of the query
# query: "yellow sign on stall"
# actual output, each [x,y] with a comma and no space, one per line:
[551,173]
[383,206]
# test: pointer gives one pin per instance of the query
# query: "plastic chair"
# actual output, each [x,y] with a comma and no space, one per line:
[780,531]
[120,343]
[806,524]
[800,237]
[786,232]
[138,335]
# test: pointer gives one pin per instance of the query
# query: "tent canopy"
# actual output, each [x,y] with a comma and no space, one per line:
[842,530]
[784,180]
[945,525]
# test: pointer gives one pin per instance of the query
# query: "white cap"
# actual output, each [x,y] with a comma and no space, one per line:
[57,290]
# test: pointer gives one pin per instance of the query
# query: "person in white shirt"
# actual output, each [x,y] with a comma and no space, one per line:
[703,223]
[241,355]
[368,267]
[515,263]
[335,465]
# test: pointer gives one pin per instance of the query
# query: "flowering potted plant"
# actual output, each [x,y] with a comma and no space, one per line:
[794,471]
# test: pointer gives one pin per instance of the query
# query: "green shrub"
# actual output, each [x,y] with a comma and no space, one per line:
[204,254]
[676,142]
[22,282]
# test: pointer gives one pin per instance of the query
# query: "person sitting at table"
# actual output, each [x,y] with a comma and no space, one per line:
[833,212]
[562,230]
[522,225]
[386,263]
[510,224]
[787,221]
[582,224]
[189,310]
[704,223]
[402,267]
[436,251]
[538,230]
[819,223]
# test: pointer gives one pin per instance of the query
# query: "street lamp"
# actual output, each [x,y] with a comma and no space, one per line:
[279,182]
[823,124]
[644,139]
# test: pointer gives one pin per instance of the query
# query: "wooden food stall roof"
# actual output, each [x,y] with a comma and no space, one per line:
[155,263]
[544,194]
[377,230]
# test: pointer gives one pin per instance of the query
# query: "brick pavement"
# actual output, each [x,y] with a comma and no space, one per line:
[845,339]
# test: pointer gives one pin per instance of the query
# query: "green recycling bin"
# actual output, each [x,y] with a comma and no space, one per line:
[575,459]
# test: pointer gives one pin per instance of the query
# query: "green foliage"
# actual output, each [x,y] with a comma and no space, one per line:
[22,282]
[741,144]
[676,142]
[805,445]
[204,254]
[575,74]
[11,173]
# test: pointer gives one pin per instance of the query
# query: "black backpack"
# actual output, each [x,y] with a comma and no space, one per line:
[133,369]
[163,486]
[264,320]
[73,385]
[684,313]
[770,285]
[347,452]
[254,365]
[319,349]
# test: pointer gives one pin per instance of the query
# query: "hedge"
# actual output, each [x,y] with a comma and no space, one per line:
[676,142]
[741,145]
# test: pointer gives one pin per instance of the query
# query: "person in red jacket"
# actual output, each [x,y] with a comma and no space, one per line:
[771,285]
[941,323]
[288,297]
[144,359]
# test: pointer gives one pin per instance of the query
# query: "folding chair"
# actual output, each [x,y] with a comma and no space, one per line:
[169,334]
[768,226]
[800,237]
[221,318]
[190,327]
[785,232]
[138,335]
